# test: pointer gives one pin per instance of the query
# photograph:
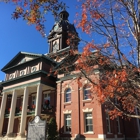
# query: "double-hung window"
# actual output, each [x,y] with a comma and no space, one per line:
[108,123]
[67,122]
[68,95]
[87,92]
[88,122]
[47,96]
[33,100]
[118,125]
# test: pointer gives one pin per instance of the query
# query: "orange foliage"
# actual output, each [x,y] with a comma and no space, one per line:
[34,11]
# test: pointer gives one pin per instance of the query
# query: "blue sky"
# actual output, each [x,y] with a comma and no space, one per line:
[16,35]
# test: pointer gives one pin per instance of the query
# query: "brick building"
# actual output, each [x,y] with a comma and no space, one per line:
[27,87]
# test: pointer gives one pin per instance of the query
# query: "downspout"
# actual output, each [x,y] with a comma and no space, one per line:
[79,110]
[60,108]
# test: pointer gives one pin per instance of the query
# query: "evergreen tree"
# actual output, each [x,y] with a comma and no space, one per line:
[52,130]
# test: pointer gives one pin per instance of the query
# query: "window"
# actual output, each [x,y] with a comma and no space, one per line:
[88,122]
[118,125]
[33,100]
[67,122]
[86,92]
[116,101]
[68,95]
[47,96]
[138,120]
[108,123]
[21,101]
[46,102]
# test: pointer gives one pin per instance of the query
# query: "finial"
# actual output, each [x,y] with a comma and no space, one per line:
[64,14]
[64,7]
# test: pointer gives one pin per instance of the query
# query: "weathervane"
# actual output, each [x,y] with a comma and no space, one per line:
[64,7]
[56,17]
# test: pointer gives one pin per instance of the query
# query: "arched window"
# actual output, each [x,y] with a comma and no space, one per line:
[68,95]
[87,92]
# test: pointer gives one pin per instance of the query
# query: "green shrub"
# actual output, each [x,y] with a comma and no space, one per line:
[52,129]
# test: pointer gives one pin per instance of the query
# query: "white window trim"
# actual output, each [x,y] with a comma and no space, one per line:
[92,132]
[88,132]
[66,87]
[65,95]
[66,132]
[87,110]
[89,88]
[65,103]
[67,111]
[48,94]
[34,95]
[87,100]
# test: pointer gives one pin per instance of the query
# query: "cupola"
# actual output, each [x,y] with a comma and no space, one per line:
[60,32]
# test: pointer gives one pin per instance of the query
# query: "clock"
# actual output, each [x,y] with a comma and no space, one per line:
[37,119]
[56,27]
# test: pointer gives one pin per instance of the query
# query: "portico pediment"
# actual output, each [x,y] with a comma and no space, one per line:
[19,59]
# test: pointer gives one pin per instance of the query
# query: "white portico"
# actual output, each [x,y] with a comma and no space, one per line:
[24,89]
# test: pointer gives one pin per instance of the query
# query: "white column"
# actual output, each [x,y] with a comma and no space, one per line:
[2,111]
[24,112]
[38,100]
[12,114]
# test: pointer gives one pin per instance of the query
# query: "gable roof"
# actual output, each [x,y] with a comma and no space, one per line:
[16,60]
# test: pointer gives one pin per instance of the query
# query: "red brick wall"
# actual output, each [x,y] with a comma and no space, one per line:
[127,127]
[77,116]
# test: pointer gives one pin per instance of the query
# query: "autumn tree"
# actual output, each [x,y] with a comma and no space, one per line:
[34,11]
[114,49]
[116,24]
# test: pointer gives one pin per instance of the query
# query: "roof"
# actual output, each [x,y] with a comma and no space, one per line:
[62,25]
[21,55]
